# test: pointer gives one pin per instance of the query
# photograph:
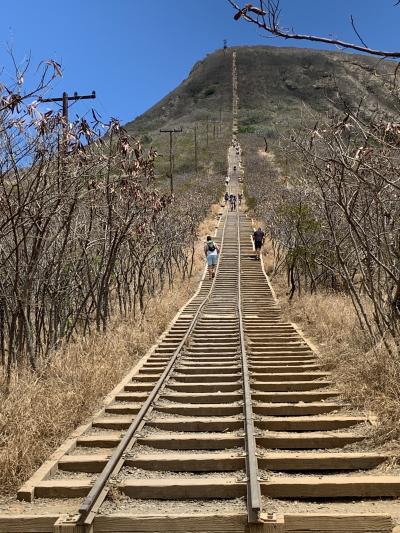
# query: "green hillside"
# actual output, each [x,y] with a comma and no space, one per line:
[279,89]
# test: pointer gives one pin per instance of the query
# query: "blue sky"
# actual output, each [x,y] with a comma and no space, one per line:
[133,52]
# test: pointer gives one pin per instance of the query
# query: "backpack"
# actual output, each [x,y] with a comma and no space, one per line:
[211,246]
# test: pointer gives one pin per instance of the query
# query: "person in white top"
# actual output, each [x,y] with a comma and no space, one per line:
[211,251]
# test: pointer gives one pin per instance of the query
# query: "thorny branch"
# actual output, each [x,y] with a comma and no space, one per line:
[266,17]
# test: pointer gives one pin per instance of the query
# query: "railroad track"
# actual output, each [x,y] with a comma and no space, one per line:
[191,394]
[231,406]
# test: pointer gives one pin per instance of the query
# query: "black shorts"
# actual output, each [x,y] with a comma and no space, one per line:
[258,245]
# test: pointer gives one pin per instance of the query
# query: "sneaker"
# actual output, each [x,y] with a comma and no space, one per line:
[213,275]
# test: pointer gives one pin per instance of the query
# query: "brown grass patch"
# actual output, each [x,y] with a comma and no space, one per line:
[367,376]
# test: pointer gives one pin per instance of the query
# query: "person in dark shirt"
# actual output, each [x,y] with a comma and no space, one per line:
[258,237]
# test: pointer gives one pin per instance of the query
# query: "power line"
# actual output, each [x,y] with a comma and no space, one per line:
[65,99]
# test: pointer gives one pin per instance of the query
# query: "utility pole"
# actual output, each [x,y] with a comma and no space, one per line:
[65,99]
[214,123]
[171,132]
[195,149]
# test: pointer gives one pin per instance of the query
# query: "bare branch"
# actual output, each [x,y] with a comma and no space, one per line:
[356,31]
[269,22]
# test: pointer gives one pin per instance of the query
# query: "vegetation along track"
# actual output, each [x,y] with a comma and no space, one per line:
[228,367]
[224,422]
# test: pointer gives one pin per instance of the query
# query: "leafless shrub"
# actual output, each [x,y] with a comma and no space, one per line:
[334,222]
[84,232]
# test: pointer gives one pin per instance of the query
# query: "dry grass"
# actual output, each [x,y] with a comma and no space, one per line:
[367,376]
[39,410]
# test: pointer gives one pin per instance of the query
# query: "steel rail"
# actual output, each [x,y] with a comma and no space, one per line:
[253,485]
[113,466]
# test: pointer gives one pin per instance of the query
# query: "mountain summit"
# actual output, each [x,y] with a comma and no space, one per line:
[278,88]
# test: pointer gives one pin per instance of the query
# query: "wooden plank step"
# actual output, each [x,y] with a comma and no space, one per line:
[275,335]
[320,461]
[229,356]
[90,463]
[258,359]
[131,396]
[210,362]
[308,423]
[253,351]
[205,387]
[231,462]
[267,316]
[283,376]
[357,487]
[152,370]
[200,409]
[257,365]
[183,489]
[172,462]
[229,337]
[295,409]
[336,523]
[197,424]
[204,378]
[211,348]
[308,441]
[146,378]
[217,336]
[180,441]
[28,523]
[265,329]
[230,325]
[260,325]
[226,327]
[282,369]
[63,488]
[206,369]
[290,336]
[203,398]
[123,408]
[99,440]
[308,396]
[267,343]
[175,522]
[139,387]
[286,386]
[113,422]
